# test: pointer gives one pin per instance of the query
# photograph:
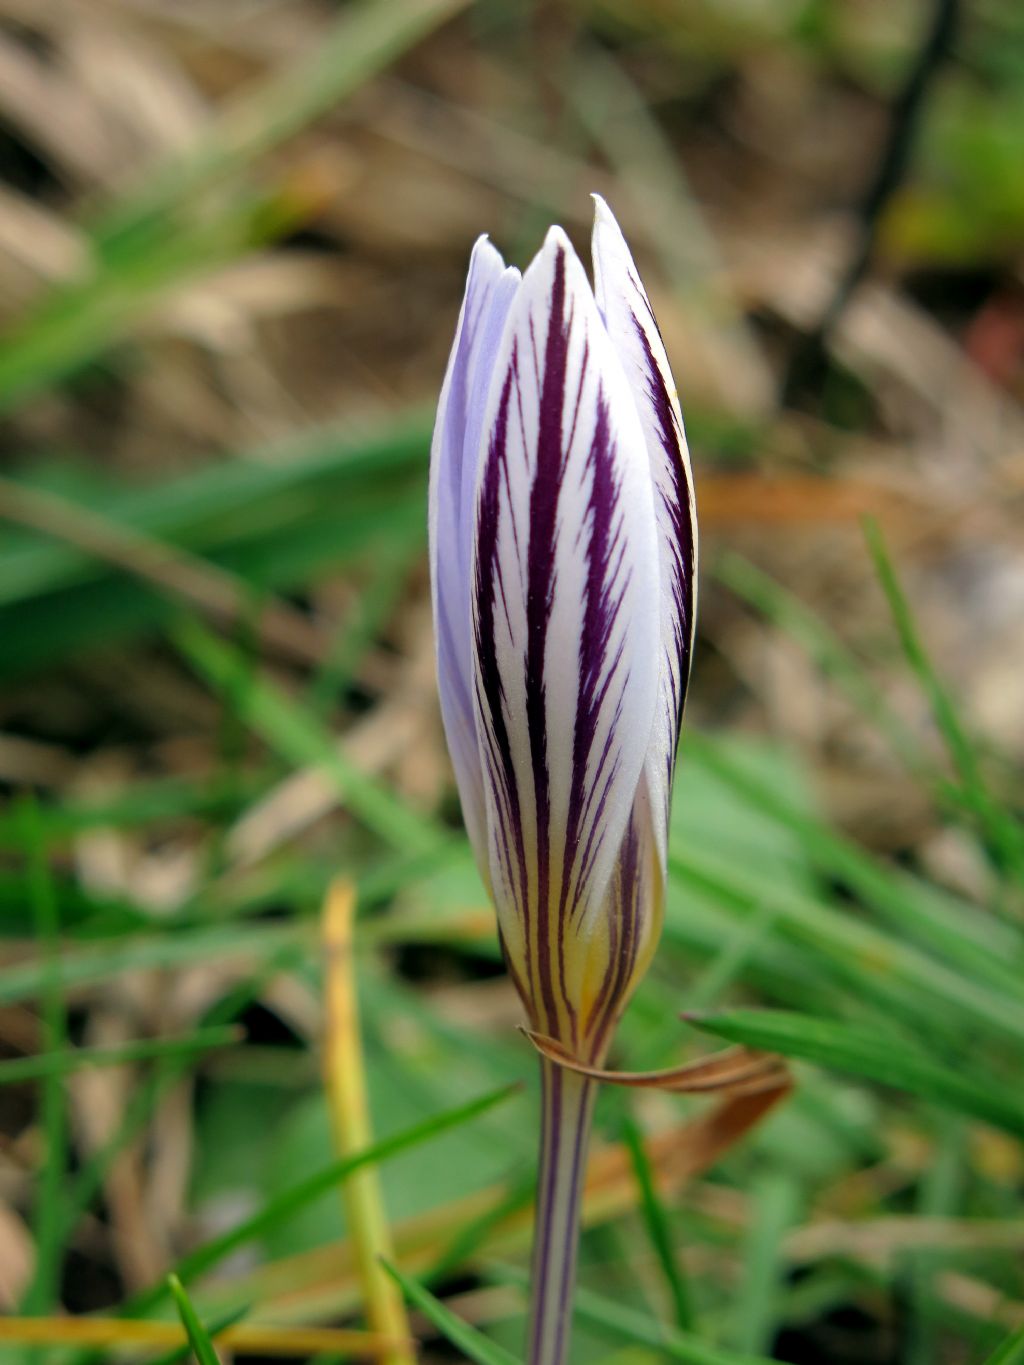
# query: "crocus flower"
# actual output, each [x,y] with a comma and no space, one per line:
[563,553]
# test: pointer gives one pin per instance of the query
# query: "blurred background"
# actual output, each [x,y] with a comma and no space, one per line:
[233,237]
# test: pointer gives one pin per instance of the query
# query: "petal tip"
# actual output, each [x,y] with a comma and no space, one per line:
[557,237]
[602,213]
[605,220]
[483,247]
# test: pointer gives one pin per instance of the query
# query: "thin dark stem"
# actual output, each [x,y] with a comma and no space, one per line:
[809,358]
[566,1113]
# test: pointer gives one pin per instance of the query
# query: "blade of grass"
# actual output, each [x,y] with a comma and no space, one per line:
[218,1326]
[758,1310]
[983,944]
[513,1197]
[298,736]
[142,803]
[347,1101]
[93,963]
[361,43]
[874,963]
[43,1292]
[1010,1352]
[80,321]
[729,963]
[115,1336]
[298,1196]
[229,502]
[872,1055]
[92,615]
[170,570]
[1005,834]
[370,611]
[938,1197]
[146,243]
[55,1064]
[832,656]
[473,1344]
[199,1340]
[143,1101]
[658,1227]
[630,1325]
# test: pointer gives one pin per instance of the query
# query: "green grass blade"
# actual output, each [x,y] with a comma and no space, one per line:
[202,1346]
[80,322]
[473,1344]
[757,1309]
[143,1101]
[370,611]
[298,736]
[43,1292]
[828,651]
[273,520]
[875,1056]
[938,1196]
[144,803]
[93,963]
[982,944]
[56,1064]
[277,1210]
[363,42]
[234,502]
[515,1195]
[658,1227]
[873,962]
[154,240]
[1005,833]
[630,1325]
[218,1325]
[1010,1352]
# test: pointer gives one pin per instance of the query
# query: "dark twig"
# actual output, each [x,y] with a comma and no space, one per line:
[807,363]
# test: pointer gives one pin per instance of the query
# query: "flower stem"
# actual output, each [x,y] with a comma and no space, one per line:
[567,1108]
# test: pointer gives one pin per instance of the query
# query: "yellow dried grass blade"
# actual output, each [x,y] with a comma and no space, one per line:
[250,1338]
[350,1119]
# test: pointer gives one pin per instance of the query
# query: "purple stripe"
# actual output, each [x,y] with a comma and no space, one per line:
[488,578]
[540,572]
[628,903]
[678,509]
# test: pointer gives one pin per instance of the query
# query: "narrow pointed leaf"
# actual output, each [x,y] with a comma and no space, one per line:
[871,1054]
[1010,1352]
[473,1344]
[630,1325]
[199,1340]
[300,1195]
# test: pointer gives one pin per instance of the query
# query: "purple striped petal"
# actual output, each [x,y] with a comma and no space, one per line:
[637,341]
[567,628]
[454,461]
[633,912]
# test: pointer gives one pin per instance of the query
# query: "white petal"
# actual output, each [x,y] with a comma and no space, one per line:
[637,341]
[566,620]
[453,475]
[631,920]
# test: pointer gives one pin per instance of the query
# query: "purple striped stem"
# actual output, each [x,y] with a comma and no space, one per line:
[563,551]
[567,1107]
